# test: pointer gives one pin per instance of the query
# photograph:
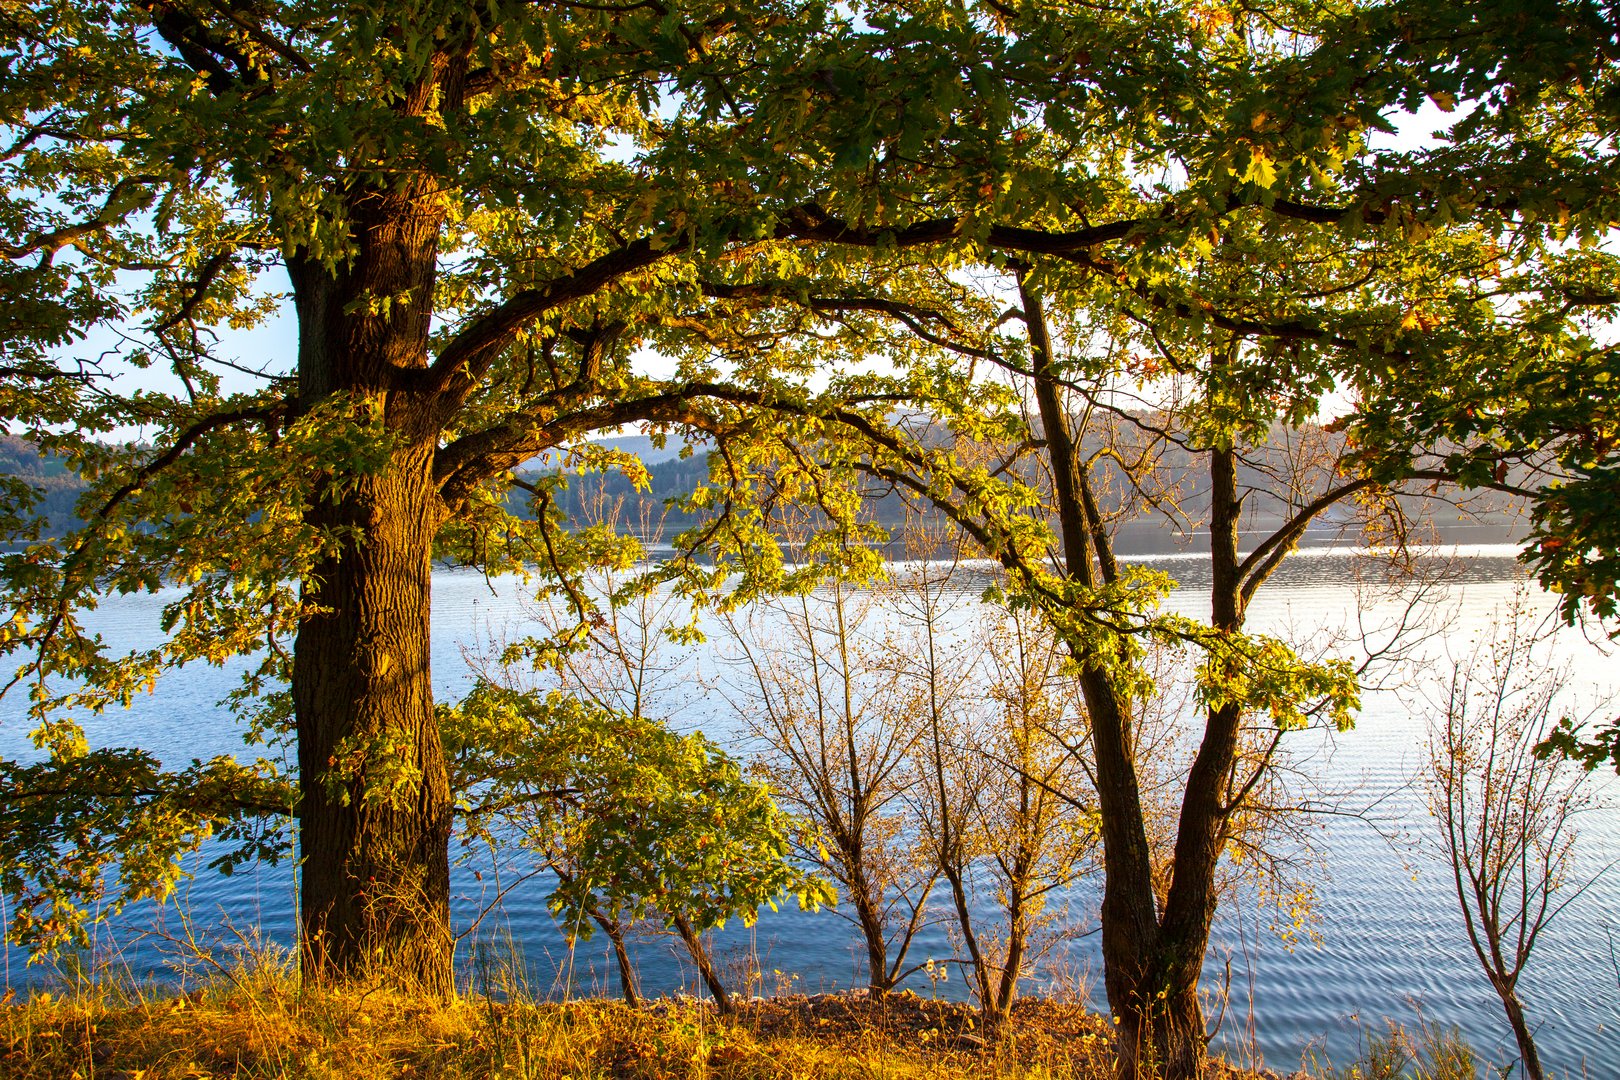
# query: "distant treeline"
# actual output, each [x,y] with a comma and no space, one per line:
[1156,510]
[1181,486]
[595,496]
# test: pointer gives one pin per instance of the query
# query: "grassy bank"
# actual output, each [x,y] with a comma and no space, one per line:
[248,1017]
[349,1034]
[263,1026]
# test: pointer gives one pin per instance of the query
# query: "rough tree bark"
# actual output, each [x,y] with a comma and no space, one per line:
[375,807]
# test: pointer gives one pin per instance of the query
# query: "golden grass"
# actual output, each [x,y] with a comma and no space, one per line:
[348,1033]
[255,1021]
[231,1031]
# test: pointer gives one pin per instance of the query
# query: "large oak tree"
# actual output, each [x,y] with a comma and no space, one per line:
[475,216]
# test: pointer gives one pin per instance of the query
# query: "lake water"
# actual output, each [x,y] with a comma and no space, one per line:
[1387,940]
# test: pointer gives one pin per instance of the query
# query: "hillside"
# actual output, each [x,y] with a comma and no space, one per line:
[1164,514]
[56,487]
[1182,504]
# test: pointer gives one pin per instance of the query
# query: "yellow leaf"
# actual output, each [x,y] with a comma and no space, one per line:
[1262,170]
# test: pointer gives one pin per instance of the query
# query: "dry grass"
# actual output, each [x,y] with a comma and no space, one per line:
[254,1021]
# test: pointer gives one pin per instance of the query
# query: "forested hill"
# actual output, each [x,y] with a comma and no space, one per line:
[599,496]
[595,496]
[1155,510]
[55,485]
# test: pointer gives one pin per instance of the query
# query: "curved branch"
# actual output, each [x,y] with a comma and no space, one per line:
[1253,571]
[462,364]
[54,240]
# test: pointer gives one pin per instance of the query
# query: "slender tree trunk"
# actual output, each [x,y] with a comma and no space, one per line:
[627,970]
[948,854]
[868,905]
[869,916]
[700,957]
[1013,967]
[953,872]
[1521,1030]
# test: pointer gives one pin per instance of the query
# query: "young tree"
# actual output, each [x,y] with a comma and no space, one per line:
[619,660]
[1032,821]
[628,659]
[835,727]
[1506,812]
[998,794]
[936,656]
[634,820]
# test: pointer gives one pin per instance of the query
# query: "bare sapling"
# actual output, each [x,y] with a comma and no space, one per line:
[835,730]
[942,674]
[1506,815]
[1035,817]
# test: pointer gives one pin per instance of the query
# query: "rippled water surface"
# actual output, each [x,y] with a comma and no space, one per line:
[1386,941]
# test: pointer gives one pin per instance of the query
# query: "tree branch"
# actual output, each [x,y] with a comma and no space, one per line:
[53,241]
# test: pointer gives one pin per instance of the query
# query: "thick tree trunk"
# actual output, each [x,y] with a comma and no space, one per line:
[1163,1038]
[375,806]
